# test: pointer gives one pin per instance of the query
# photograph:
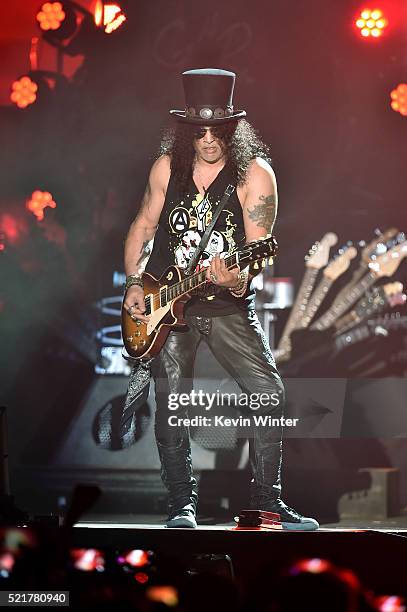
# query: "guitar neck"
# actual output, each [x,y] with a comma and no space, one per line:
[371,303]
[340,307]
[358,274]
[365,331]
[189,283]
[299,306]
[315,301]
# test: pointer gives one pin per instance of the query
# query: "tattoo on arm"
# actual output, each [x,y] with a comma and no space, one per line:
[144,255]
[146,196]
[264,213]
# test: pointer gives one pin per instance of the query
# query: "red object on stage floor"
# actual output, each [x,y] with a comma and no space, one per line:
[258,519]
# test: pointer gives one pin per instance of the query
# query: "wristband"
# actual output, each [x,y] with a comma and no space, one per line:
[241,287]
[133,279]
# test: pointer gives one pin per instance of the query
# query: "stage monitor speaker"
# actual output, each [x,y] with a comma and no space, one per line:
[80,448]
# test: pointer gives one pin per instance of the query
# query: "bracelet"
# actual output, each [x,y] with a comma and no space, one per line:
[133,279]
[241,287]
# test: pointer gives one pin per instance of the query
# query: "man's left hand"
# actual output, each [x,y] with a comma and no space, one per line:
[219,275]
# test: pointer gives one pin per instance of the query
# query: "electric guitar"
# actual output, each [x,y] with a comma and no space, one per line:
[374,327]
[384,265]
[382,243]
[373,302]
[165,299]
[334,270]
[316,259]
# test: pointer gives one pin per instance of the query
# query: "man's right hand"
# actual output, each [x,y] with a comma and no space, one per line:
[134,303]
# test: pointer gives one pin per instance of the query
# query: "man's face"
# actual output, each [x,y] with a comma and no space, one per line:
[208,146]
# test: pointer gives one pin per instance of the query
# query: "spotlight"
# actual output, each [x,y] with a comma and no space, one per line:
[57,20]
[109,15]
[24,92]
[68,26]
[399,99]
[38,202]
[35,86]
[371,23]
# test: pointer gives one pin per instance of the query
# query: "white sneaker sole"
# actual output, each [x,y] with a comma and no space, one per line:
[185,522]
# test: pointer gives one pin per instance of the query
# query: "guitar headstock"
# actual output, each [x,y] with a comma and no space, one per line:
[397,299]
[373,248]
[258,249]
[387,264]
[379,297]
[392,288]
[318,255]
[339,265]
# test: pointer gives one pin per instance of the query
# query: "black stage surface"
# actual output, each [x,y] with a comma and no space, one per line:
[377,553]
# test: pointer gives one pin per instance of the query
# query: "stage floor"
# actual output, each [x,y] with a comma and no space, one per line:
[155,521]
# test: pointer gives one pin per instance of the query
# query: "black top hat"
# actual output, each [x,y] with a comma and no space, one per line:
[208,97]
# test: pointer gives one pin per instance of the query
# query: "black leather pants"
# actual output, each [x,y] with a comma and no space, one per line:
[238,343]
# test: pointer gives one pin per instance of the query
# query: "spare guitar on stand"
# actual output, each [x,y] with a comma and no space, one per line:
[317,259]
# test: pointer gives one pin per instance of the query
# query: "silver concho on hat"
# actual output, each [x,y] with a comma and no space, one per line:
[218,113]
[206,113]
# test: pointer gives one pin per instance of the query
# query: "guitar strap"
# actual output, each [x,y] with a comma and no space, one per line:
[204,240]
[140,375]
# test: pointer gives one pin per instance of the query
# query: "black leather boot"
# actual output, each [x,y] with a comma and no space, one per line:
[265,487]
[177,476]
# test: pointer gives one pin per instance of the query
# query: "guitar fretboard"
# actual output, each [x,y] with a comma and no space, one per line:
[168,293]
[315,301]
[372,302]
[299,307]
[339,308]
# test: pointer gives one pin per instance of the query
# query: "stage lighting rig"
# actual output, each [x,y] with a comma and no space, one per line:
[109,15]
[35,87]
[66,25]
[38,201]
[24,91]
[399,99]
[371,23]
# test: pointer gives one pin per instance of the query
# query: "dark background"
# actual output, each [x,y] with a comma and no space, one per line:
[317,93]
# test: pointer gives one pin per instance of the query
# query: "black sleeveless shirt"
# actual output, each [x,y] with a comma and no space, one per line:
[182,223]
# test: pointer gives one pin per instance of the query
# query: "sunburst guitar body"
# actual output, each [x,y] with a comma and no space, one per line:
[166,297]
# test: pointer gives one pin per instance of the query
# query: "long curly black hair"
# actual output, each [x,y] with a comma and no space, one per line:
[241,142]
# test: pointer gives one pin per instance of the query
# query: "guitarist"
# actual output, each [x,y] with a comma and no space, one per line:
[211,147]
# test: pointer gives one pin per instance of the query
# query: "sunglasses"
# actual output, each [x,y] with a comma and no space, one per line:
[201,132]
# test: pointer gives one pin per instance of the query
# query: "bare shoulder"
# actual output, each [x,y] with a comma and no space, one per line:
[160,172]
[259,170]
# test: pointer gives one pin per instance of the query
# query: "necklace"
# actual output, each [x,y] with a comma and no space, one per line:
[211,178]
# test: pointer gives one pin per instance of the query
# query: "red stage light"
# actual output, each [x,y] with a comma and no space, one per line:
[24,92]
[399,99]
[11,229]
[38,202]
[371,23]
[111,15]
[51,16]
[137,558]
[141,577]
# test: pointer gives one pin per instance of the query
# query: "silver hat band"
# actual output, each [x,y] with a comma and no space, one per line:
[206,112]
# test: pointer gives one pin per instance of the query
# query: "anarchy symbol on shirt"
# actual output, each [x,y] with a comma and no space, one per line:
[179,220]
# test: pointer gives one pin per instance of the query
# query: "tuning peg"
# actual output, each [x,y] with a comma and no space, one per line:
[271,261]
[256,265]
[268,236]
[263,263]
